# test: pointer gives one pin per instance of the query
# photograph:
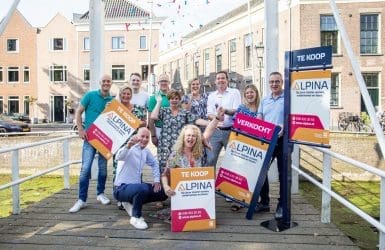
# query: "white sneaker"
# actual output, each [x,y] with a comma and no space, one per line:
[103,199]
[79,204]
[128,207]
[138,223]
[228,199]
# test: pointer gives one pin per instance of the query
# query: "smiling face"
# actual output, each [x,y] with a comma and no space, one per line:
[221,82]
[136,82]
[190,138]
[250,95]
[195,86]
[164,85]
[125,95]
[143,137]
[105,84]
[276,84]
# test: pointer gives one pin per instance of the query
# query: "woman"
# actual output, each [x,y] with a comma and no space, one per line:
[250,101]
[125,96]
[188,150]
[173,119]
[250,108]
[196,101]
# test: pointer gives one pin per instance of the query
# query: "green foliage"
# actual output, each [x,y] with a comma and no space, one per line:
[365,118]
[30,191]
[364,195]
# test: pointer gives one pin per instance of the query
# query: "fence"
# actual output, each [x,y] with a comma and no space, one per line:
[16,180]
[327,192]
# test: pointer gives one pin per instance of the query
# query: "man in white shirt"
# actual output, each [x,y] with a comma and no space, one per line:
[229,99]
[139,96]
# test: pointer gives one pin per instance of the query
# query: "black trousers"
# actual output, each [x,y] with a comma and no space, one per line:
[277,154]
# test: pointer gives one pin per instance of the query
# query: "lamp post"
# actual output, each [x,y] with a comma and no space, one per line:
[260,49]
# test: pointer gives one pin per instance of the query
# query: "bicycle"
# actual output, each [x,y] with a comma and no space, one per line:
[350,122]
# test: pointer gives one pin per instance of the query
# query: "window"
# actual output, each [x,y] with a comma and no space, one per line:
[13,104]
[86,73]
[118,72]
[1,105]
[218,58]
[335,90]
[86,43]
[329,32]
[233,55]
[144,72]
[12,45]
[371,81]
[13,74]
[58,73]
[58,44]
[248,45]
[26,105]
[369,34]
[117,42]
[143,42]
[1,74]
[196,69]
[26,74]
[206,56]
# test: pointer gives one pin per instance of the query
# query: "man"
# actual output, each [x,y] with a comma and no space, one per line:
[229,99]
[129,188]
[139,96]
[271,109]
[155,127]
[92,103]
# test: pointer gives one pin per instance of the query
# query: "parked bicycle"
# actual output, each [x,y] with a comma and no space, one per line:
[348,121]
[381,119]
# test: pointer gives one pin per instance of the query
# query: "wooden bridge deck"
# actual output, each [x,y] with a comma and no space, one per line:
[49,225]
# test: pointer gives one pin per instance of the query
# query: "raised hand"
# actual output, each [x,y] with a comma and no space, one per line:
[158,97]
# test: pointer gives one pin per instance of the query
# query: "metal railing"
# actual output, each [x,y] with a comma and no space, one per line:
[16,180]
[327,192]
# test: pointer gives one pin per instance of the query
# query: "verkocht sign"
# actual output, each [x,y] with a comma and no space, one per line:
[111,129]
[193,205]
[310,106]
[241,167]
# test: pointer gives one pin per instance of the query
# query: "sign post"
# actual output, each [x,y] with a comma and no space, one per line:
[306,114]
[246,161]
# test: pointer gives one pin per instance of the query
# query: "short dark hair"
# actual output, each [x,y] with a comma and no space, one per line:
[275,73]
[223,72]
[136,74]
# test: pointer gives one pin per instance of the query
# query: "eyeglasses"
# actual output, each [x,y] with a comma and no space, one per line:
[275,81]
[106,80]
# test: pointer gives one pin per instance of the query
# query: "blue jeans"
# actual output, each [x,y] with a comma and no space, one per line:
[218,140]
[88,155]
[137,195]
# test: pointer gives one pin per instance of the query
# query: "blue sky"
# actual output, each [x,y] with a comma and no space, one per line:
[183,15]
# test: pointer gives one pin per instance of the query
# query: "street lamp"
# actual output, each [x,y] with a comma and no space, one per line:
[260,50]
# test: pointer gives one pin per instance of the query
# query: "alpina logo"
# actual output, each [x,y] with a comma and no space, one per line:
[245,149]
[195,186]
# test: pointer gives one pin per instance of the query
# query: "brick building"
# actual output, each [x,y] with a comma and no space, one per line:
[226,44]
[55,59]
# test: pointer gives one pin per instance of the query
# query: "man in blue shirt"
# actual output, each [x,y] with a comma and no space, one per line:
[92,103]
[129,188]
[271,109]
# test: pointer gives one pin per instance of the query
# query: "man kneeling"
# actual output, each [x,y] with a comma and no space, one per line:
[128,186]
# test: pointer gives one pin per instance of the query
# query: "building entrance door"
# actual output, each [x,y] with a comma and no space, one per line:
[58,109]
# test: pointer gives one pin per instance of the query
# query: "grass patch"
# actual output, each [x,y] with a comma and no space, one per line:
[364,195]
[30,191]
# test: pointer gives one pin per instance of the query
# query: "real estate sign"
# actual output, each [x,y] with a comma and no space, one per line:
[111,129]
[193,205]
[310,106]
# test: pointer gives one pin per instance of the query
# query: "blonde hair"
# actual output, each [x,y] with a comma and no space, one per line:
[121,91]
[197,150]
[251,86]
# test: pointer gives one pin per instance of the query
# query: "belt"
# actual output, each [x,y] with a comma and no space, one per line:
[224,128]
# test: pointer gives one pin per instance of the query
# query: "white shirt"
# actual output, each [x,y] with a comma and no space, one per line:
[140,99]
[230,99]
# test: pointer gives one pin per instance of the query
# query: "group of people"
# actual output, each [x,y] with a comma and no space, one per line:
[188,131]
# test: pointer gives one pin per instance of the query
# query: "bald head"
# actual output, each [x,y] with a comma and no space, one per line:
[143,136]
